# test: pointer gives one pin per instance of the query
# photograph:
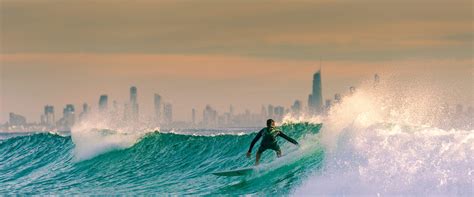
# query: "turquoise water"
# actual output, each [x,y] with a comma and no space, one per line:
[158,163]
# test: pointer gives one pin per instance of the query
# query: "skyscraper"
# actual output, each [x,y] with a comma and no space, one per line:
[85,108]
[133,103]
[315,99]
[328,105]
[209,116]
[69,117]
[279,112]
[296,107]
[16,120]
[168,113]
[157,102]
[103,104]
[133,94]
[85,111]
[49,115]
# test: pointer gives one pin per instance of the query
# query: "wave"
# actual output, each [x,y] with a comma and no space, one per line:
[393,139]
[175,164]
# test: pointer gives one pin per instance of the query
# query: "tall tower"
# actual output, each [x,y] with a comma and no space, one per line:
[85,112]
[315,99]
[133,94]
[69,116]
[103,104]
[49,115]
[168,113]
[133,103]
[296,107]
[85,108]
[157,104]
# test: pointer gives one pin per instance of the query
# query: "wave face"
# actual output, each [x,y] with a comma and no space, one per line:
[157,163]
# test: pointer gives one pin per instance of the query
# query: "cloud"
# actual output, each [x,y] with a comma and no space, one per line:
[280,29]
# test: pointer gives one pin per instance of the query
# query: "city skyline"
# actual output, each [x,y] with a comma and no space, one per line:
[211,118]
[245,57]
[149,112]
[162,114]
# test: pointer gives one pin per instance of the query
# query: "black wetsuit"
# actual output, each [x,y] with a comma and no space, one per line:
[269,139]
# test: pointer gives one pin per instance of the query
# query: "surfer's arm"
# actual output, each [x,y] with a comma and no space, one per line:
[281,134]
[259,134]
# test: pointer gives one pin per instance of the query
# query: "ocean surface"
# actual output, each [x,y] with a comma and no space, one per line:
[158,163]
[378,141]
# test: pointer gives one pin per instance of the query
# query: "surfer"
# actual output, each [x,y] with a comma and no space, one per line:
[269,141]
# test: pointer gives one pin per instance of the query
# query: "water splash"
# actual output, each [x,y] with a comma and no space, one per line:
[96,135]
[393,140]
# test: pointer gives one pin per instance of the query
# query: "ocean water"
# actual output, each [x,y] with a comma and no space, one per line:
[157,163]
[387,140]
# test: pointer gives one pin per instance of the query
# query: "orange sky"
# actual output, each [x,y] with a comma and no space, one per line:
[244,53]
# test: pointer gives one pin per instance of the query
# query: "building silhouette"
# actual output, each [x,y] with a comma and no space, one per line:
[296,107]
[327,105]
[16,120]
[69,117]
[315,99]
[193,116]
[157,108]
[168,113]
[48,116]
[85,112]
[133,104]
[279,112]
[103,104]
[209,116]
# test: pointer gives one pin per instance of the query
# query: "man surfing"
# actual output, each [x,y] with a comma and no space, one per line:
[269,141]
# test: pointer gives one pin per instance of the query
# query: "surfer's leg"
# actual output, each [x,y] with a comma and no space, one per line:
[277,149]
[257,158]
[259,153]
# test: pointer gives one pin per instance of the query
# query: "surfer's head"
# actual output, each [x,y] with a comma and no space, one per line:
[270,123]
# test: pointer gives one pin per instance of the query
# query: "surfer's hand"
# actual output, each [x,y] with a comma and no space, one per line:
[249,154]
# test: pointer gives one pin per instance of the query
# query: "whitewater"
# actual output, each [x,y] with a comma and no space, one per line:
[388,139]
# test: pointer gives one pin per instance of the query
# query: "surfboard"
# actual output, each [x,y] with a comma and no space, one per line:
[237,172]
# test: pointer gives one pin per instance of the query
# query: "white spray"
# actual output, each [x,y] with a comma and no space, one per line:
[98,134]
[393,139]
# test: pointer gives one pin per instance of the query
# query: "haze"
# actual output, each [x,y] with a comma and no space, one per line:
[243,53]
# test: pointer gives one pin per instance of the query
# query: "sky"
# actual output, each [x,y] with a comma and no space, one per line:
[244,53]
